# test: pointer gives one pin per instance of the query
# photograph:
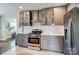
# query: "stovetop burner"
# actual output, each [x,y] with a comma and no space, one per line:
[35,33]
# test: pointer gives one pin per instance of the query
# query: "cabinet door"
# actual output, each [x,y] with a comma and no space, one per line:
[25,40]
[53,44]
[44,42]
[20,40]
[35,16]
[24,18]
[59,13]
[42,17]
[50,16]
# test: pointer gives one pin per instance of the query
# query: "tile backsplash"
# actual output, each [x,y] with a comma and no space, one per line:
[46,29]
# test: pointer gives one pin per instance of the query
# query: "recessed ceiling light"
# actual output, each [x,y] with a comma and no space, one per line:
[20,7]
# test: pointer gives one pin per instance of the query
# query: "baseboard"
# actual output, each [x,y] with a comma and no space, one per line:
[52,50]
[4,40]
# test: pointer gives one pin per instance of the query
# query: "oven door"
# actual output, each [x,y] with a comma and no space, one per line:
[33,40]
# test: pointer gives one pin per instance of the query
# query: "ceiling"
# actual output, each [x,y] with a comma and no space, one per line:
[37,6]
[12,9]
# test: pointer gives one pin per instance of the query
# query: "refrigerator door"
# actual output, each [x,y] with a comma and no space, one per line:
[71,41]
[67,38]
[75,35]
[71,38]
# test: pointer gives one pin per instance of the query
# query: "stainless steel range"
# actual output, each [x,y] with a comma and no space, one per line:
[34,39]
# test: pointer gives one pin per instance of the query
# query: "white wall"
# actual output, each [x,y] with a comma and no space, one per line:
[5,34]
[2,29]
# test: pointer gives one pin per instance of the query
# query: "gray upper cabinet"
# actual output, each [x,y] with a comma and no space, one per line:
[46,16]
[59,13]
[24,18]
[34,17]
[50,16]
[42,17]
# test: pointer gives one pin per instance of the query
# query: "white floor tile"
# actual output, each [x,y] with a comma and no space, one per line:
[17,50]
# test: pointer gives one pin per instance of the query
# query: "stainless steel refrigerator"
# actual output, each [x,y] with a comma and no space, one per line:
[71,32]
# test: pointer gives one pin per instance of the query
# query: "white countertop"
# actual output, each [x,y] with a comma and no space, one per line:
[57,31]
[48,30]
[54,34]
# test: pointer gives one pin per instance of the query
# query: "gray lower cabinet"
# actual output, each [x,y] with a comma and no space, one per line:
[22,40]
[51,43]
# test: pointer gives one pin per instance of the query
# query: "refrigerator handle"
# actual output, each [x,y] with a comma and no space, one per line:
[65,34]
